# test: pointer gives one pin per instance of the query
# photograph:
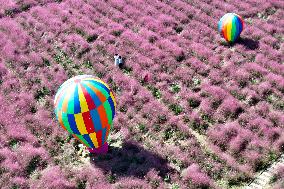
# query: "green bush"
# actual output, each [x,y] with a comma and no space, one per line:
[193,103]
[176,108]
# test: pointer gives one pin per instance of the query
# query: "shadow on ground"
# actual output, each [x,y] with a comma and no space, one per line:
[130,160]
[248,43]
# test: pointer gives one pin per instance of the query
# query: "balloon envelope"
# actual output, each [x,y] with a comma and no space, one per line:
[230,26]
[85,107]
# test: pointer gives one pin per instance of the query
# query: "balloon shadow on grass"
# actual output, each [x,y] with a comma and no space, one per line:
[130,160]
[248,43]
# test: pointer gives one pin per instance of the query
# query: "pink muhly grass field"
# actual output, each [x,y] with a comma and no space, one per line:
[192,111]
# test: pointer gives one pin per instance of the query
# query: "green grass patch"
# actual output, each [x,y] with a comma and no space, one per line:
[88,64]
[142,128]
[199,127]
[14,143]
[41,93]
[92,38]
[175,186]
[175,88]
[168,133]
[193,103]
[81,184]
[176,108]
[155,92]
[127,70]
[111,178]
[33,164]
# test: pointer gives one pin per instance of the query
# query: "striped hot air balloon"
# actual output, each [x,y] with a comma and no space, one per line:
[230,26]
[85,107]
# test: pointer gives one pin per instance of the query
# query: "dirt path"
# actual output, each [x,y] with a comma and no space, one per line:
[202,140]
[261,181]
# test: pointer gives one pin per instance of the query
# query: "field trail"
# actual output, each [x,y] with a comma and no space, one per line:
[201,139]
[262,180]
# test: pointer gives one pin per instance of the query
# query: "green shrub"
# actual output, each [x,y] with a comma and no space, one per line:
[193,103]
[176,108]
[81,184]
[175,88]
[92,38]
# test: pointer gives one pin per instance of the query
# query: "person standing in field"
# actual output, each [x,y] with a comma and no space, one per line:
[118,61]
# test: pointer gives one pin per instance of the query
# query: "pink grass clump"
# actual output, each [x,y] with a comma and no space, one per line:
[196,176]
[230,106]
[52,177]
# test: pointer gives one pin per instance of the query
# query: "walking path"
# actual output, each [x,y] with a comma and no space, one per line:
[262,179]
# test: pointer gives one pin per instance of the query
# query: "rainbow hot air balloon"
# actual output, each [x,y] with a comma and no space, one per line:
[85,107]
[230,26]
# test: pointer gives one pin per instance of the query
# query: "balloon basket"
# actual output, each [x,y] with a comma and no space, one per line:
[101,150]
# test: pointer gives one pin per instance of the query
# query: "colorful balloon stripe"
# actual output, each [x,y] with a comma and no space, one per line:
[89,100]
[77,107]
[82,99]
[108,111]
[112,105]
[97,122]
[66,124]
[230,26]
[94,139]
[88,122]
[85,97]
[61,122]
[105,132]
[99,137]
[89,141]
[72,122]
[103,84]
[105,90]
[80,124]
[93,95]
[82,140]
[99,93]
[85,107]
[103,116]
[113,99]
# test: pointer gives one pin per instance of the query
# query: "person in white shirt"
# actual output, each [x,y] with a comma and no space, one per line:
[116,59]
